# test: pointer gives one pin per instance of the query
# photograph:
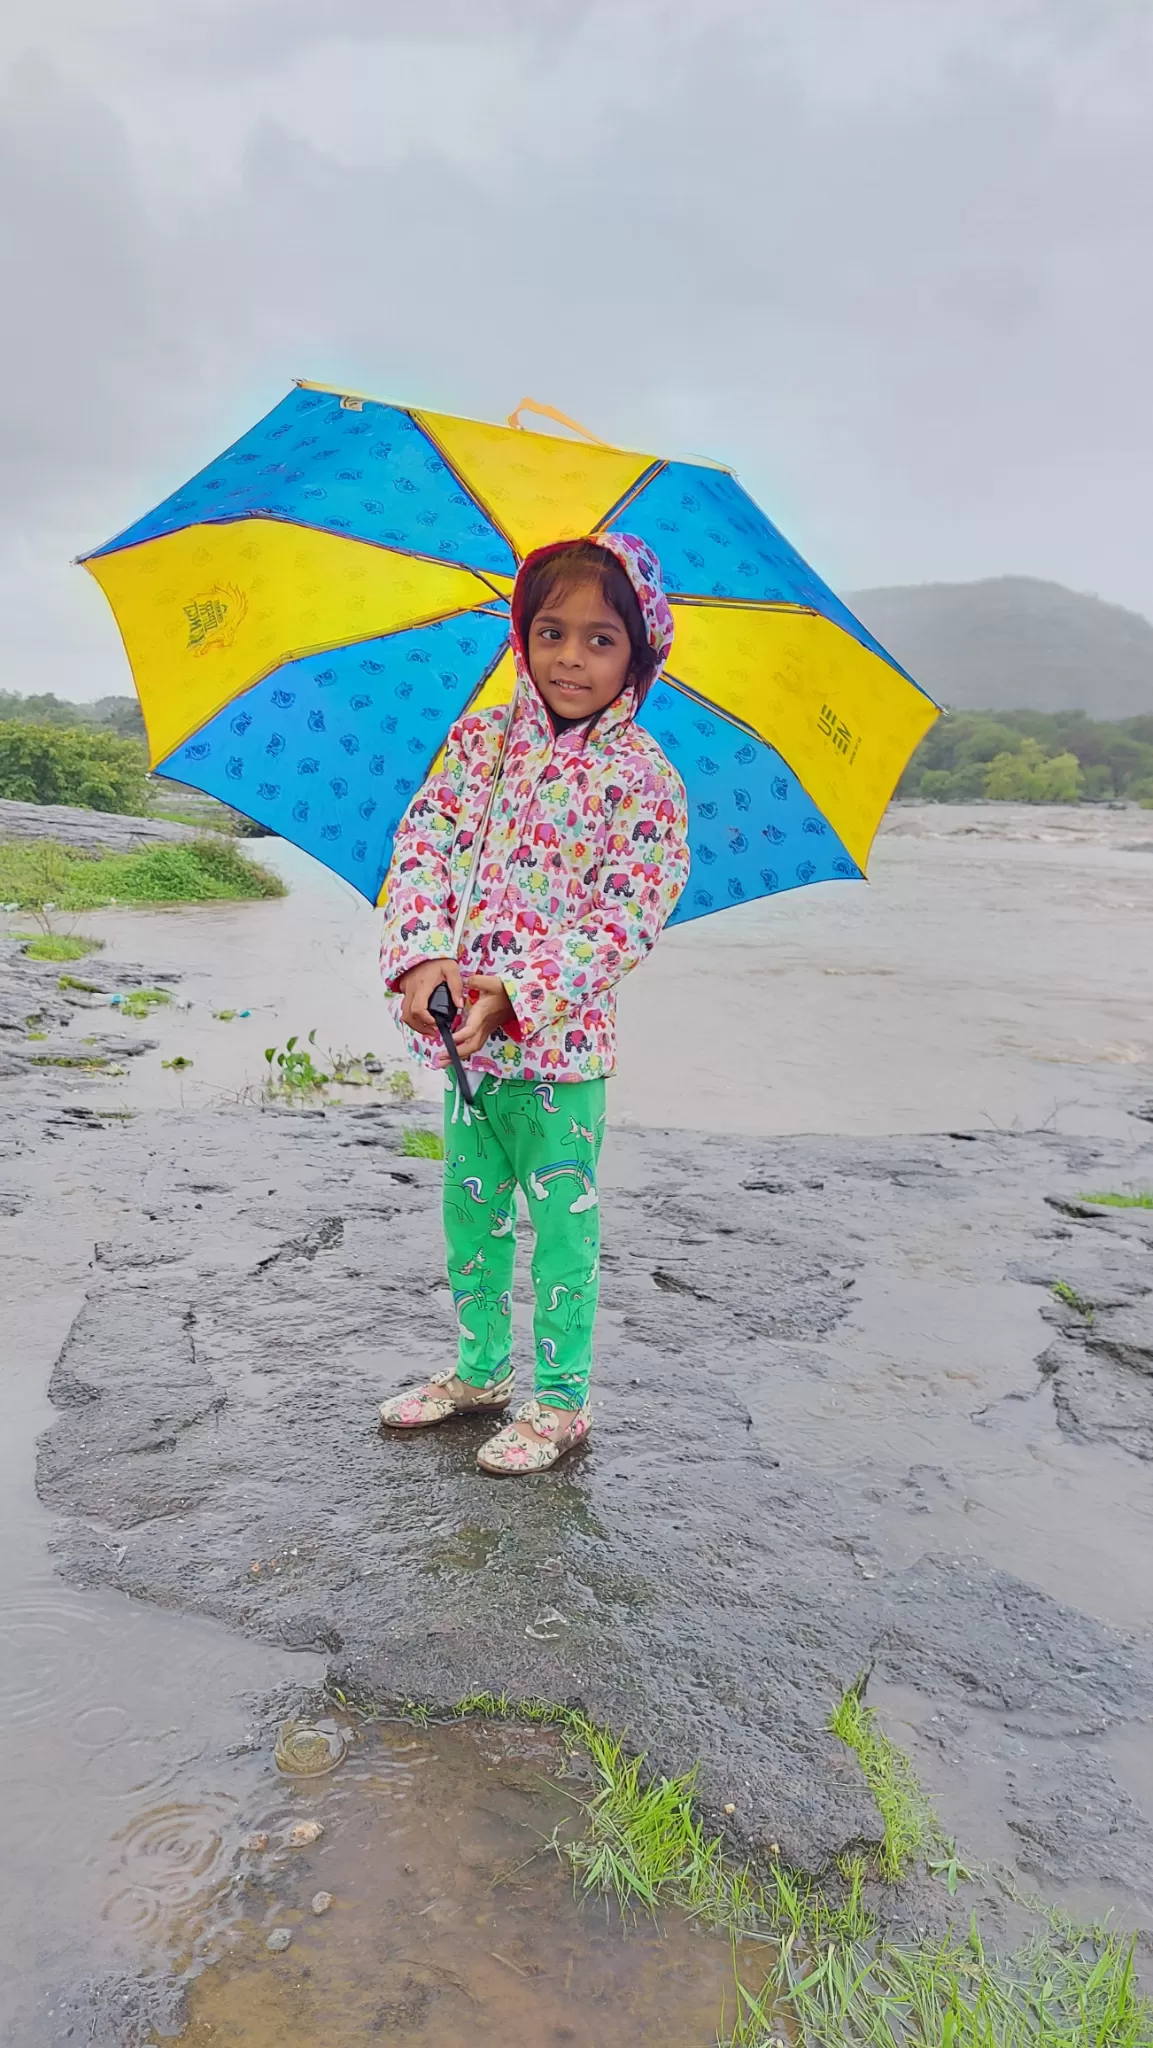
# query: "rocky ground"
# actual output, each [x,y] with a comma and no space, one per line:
[832,1434]
[87,831]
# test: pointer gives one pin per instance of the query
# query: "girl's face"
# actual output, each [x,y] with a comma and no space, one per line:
[578,652]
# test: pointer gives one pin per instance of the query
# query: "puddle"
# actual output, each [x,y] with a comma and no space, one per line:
[452,1920]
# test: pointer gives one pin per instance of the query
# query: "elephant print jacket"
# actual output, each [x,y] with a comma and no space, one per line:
[584,858]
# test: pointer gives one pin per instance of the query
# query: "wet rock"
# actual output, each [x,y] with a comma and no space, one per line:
[304,1834]
[119,2012]
[86,831]
[321,1901]
[1069,1814]
[279,1940]
[742,1538]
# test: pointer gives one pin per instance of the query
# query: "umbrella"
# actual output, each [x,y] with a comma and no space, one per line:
[306,618]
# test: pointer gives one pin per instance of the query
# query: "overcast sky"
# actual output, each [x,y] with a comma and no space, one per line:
[893,259]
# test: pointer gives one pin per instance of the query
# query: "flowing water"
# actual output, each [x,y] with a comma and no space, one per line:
[999,973]
[980,979]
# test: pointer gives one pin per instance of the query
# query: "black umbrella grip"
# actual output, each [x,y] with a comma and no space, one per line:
[442,1010]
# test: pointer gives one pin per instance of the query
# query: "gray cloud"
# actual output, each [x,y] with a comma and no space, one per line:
[892,262]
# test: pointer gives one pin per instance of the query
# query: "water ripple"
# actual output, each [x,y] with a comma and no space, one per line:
[171,1858]
[51,1651]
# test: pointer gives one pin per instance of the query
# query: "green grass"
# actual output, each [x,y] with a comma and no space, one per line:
[140,1002]
[831,1978]
[911,1828]
[52,946]
[87,1065]
[39,874]
[416,1144]
[1072,1299]
[1144,1201]
[202,821]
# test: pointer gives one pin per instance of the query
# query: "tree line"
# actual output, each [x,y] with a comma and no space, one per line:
[1036,757]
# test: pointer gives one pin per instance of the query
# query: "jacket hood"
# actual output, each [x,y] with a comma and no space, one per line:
[644,573]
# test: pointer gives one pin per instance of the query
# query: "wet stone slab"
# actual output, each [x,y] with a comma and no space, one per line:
[818,1409]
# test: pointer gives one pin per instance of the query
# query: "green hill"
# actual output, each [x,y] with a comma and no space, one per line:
[1016,644]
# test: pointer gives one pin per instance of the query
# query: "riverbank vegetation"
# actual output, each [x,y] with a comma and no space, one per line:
[830,1978]
[43,877]
[94,756]
[97,771]
[1032,757]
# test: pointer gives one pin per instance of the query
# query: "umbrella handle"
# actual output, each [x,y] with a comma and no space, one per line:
[442,1010]
[549,412]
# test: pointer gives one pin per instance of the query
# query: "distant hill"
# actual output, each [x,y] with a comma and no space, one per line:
[1015,644]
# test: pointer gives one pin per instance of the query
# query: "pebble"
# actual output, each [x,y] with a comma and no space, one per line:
[279,1940]
[255,1844]
[730,1809]
[303,1833]
[321,1902]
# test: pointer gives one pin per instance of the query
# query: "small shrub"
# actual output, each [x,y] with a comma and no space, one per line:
[97,771]
[42,876]
[400,1086]
[292,1072]
[51,946]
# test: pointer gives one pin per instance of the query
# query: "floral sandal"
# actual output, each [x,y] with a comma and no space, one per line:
[558,1430]
[421,1407]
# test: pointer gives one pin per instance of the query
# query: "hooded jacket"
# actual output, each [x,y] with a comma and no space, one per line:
[585,855]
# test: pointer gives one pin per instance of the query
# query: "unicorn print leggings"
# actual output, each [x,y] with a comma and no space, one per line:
[543,1137]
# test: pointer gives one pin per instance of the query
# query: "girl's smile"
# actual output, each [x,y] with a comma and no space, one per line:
[579,653]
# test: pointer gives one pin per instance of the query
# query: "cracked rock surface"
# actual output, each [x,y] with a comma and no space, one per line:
[831,1433]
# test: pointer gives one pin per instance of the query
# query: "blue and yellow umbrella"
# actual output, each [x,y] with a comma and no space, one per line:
[306,618]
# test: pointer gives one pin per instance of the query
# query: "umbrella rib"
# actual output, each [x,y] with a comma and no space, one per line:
[605,524]
[744,604]
[465,485]
[359,540]
[708,704]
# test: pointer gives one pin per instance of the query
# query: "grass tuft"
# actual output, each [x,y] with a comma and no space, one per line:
[1072,1299]
[832,1980]
[38,874]
[52,946]
[416,1144]
[911,1827]
[140,1002]
[1142,1201]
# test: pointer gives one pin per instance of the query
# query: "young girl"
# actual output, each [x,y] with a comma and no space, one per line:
[584,855]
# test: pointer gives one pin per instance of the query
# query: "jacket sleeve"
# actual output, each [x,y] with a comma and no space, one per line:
[635,894]
[418,888]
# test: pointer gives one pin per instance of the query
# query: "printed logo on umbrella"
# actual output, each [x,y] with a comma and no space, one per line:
[215,617]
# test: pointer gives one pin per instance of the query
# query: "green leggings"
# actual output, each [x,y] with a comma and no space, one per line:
[544,1136]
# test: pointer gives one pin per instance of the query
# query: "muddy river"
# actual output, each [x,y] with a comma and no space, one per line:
[994,979]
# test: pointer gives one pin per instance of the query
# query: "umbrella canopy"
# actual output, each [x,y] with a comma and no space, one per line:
[308,616]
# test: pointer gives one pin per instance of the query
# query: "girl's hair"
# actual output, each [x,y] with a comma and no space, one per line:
[584,562]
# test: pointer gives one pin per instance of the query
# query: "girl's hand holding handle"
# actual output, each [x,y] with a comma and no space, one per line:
[417,986]
[488,1008]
